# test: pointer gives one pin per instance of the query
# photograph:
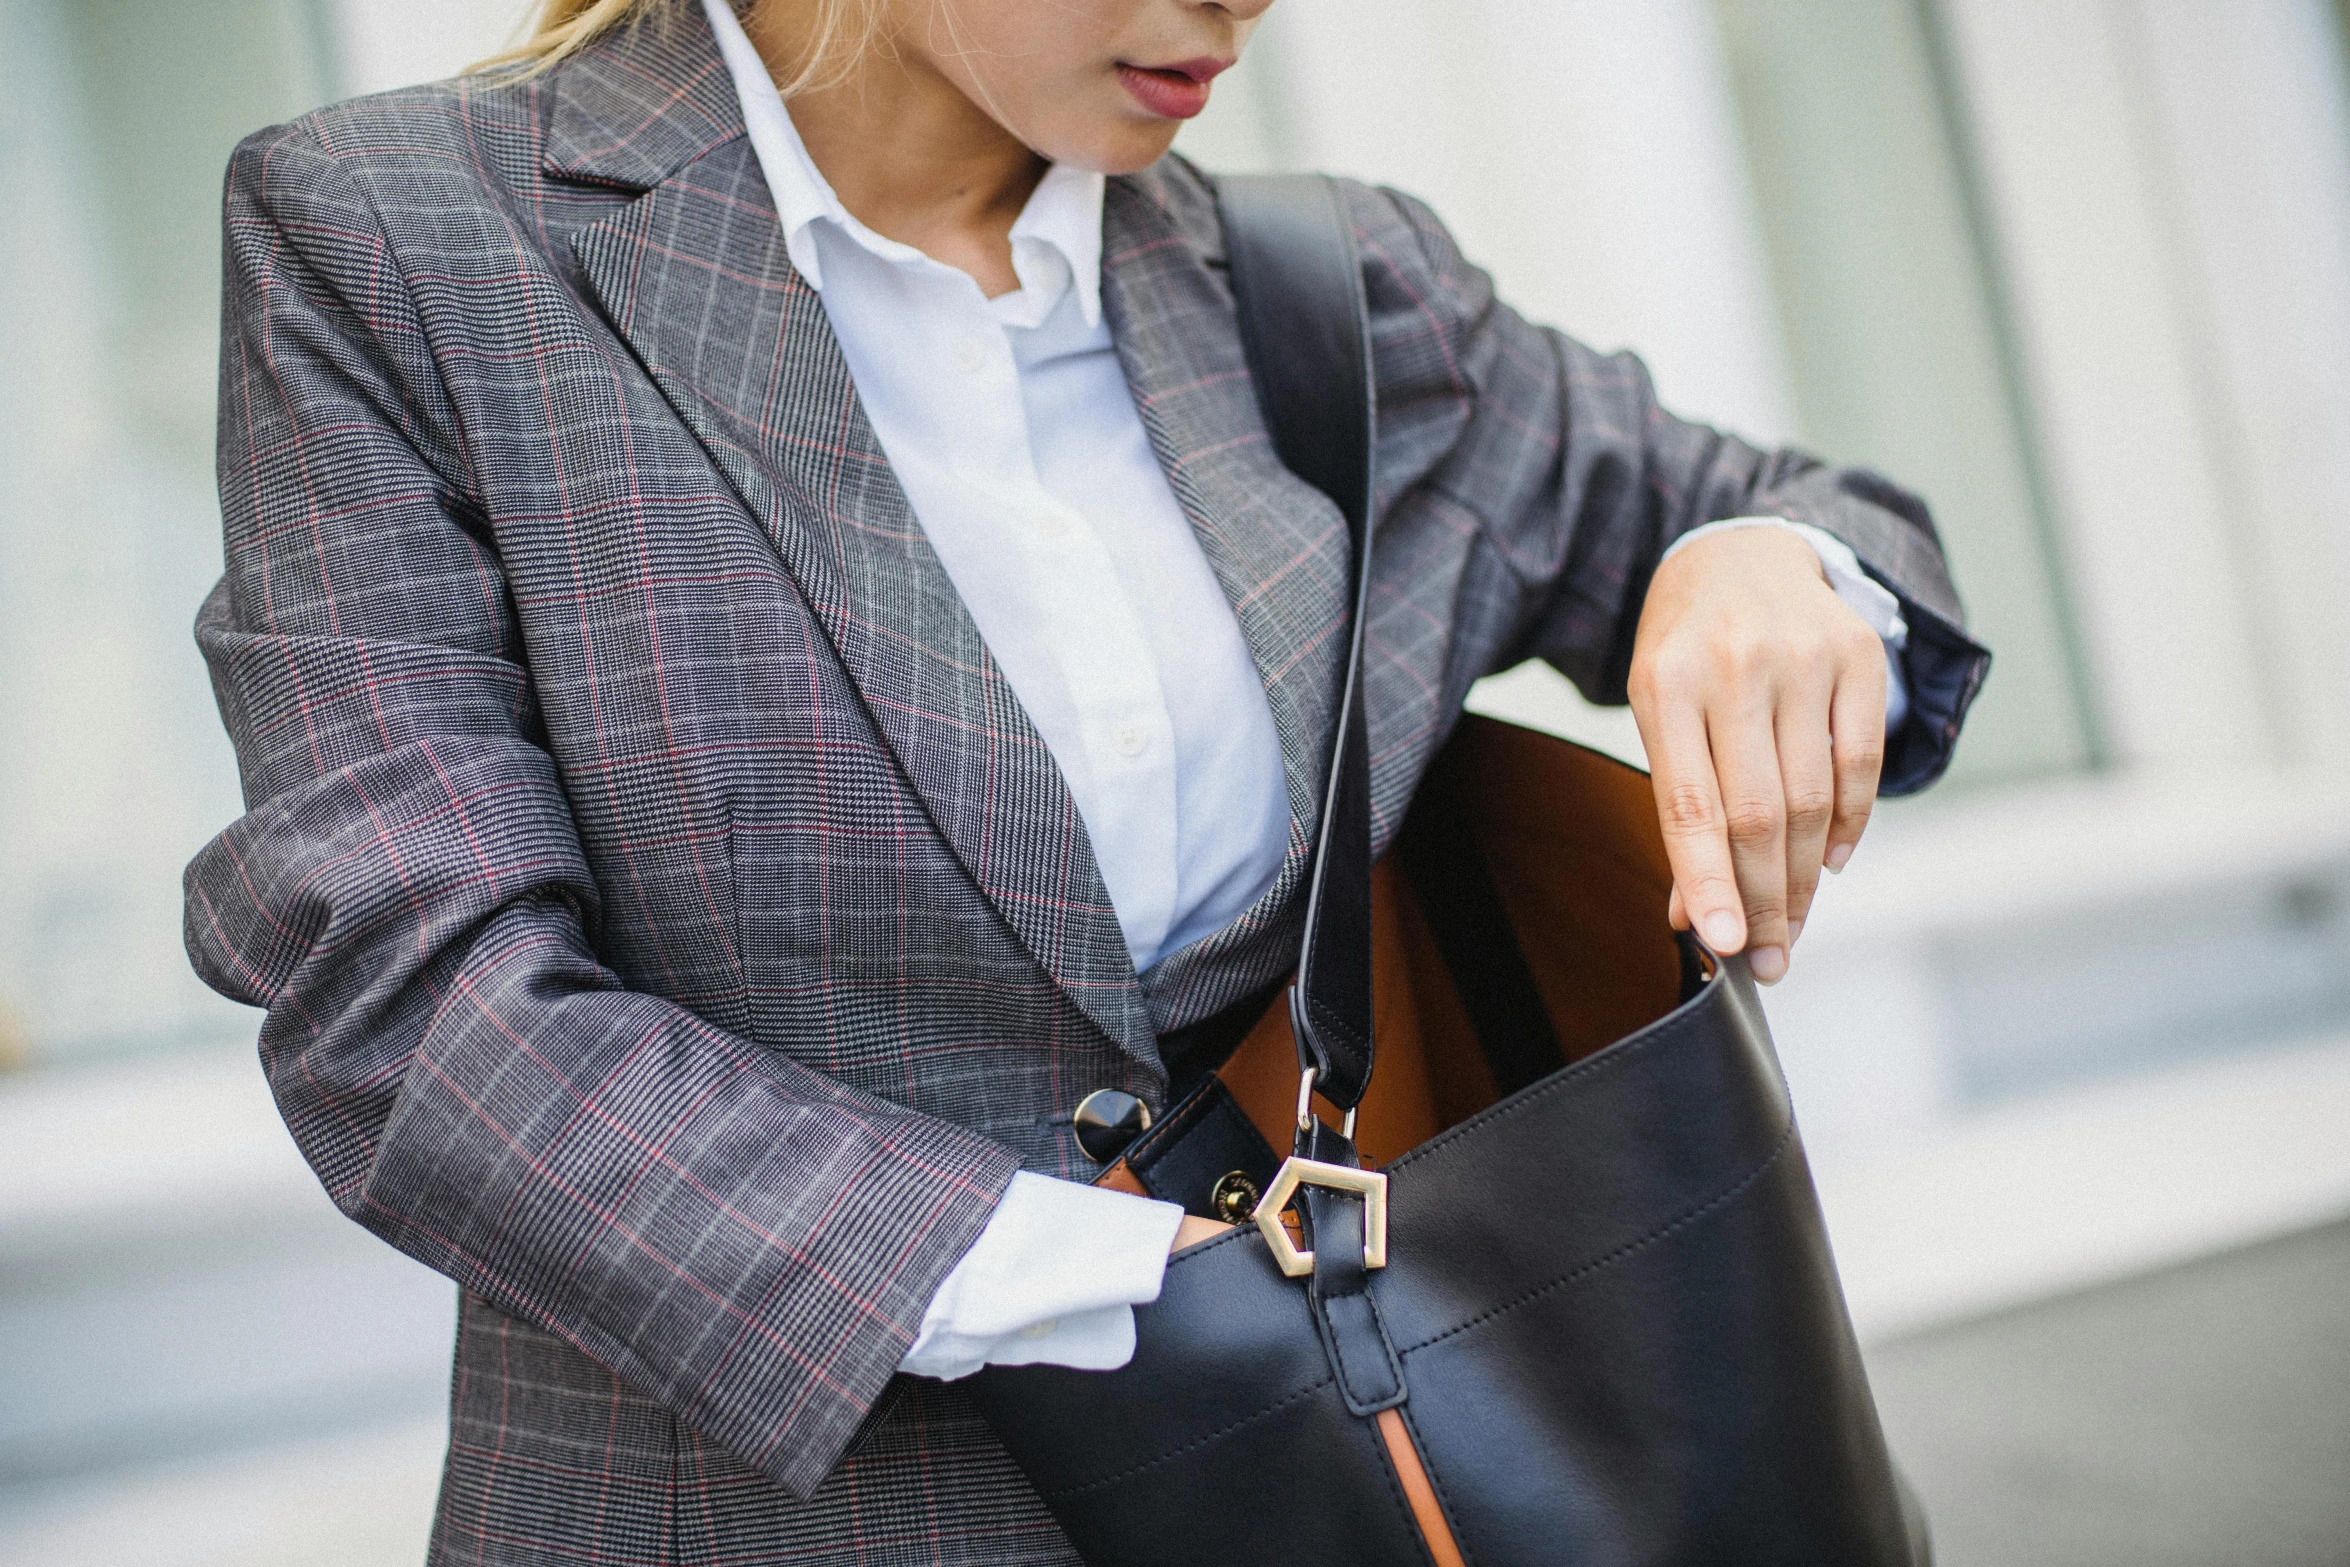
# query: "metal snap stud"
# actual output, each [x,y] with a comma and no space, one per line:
[1107,1120]
[1234,1199]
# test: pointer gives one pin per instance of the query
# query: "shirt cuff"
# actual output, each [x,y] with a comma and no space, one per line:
[1866,597]
[1053,1279]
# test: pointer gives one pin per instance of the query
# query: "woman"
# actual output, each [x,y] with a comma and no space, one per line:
[771,657]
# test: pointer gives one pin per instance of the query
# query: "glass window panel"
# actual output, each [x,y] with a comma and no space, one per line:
[1897,344]
[116,120]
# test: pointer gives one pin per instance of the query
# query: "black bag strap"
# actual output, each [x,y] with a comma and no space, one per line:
[1297,281]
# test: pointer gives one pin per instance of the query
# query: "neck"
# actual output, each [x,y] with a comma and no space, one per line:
[907,151]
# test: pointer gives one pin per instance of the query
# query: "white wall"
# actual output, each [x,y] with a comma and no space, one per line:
[2171,215]
[2251,123]
[1582,150]
[2169,189]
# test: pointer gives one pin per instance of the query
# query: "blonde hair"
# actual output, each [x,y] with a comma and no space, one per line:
[842,31]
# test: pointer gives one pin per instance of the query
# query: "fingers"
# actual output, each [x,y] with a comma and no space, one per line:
[1761,700]
[1722,802]
[1689,809]
[1192,1231]
[1754,812]
[1808,787]
[1857,723]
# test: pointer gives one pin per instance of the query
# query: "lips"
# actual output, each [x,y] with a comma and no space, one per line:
[1175,91]
[1200,68]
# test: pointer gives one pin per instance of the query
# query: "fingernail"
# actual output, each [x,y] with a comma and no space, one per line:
[1721,932]
[1794,932]
[1838,856]
[1769,964]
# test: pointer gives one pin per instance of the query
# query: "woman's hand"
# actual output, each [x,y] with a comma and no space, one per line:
[1193,1230]
[1761,699]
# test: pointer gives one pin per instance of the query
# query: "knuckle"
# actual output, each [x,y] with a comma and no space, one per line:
[1688,810]
[1860,760]
[1754,821]
[1713,890]
[1666,673]
[1809,808]
[1739,658]
[1815,650]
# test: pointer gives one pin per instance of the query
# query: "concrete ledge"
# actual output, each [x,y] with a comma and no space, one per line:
[167,1146]
[1942,864]
[2071,1189]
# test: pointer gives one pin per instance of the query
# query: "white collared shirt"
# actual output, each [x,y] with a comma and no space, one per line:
[1009,425]
[1011,429]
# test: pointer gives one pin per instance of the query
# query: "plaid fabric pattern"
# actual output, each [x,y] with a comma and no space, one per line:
[555,1459]
[669,924]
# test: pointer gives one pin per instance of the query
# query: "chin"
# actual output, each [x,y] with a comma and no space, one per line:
[1118,149]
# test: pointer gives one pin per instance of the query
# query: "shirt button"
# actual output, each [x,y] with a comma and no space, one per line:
[1037,1330]
[1130,740]
[971,355]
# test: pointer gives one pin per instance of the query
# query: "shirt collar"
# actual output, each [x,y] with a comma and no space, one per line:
[1062,222]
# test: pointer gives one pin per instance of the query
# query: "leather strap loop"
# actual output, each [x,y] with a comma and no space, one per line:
[1370,1375]
[1297,283]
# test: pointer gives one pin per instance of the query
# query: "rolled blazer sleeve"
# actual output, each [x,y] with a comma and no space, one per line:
[1580,480]
[739,1236]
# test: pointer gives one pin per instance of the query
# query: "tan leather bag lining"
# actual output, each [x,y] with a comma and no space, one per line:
[1571,842]
[1570,839]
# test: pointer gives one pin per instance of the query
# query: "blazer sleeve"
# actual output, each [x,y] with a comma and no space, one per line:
[1580,480]
[739,1236]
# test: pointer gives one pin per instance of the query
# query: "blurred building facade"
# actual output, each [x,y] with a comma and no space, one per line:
[2079,273]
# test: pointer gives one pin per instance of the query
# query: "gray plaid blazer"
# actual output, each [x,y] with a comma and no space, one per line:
[669,924]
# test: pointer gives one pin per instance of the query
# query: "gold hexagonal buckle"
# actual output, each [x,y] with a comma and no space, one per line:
[1370,1185]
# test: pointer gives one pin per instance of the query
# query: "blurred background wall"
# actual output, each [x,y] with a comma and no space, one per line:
[2078,270]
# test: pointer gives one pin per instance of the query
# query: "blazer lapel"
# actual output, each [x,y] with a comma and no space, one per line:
[695,277]
[1278,546]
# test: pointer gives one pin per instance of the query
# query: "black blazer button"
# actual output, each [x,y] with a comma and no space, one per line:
[1107,1120]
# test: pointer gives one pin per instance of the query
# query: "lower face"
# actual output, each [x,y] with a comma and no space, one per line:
[1100,84]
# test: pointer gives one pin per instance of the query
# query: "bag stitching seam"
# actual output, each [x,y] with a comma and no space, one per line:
[1199,1441]
[1175,1127]
[1665,1029]
[1336,1337]
[1691,1216]
[1328,1017]
[1385,1464]
[1731,1194]
[1444,1504]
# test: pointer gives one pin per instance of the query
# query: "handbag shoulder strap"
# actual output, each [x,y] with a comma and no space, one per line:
[1297,282]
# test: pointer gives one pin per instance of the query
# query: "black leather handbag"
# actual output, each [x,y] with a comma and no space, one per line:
[1578,1306]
